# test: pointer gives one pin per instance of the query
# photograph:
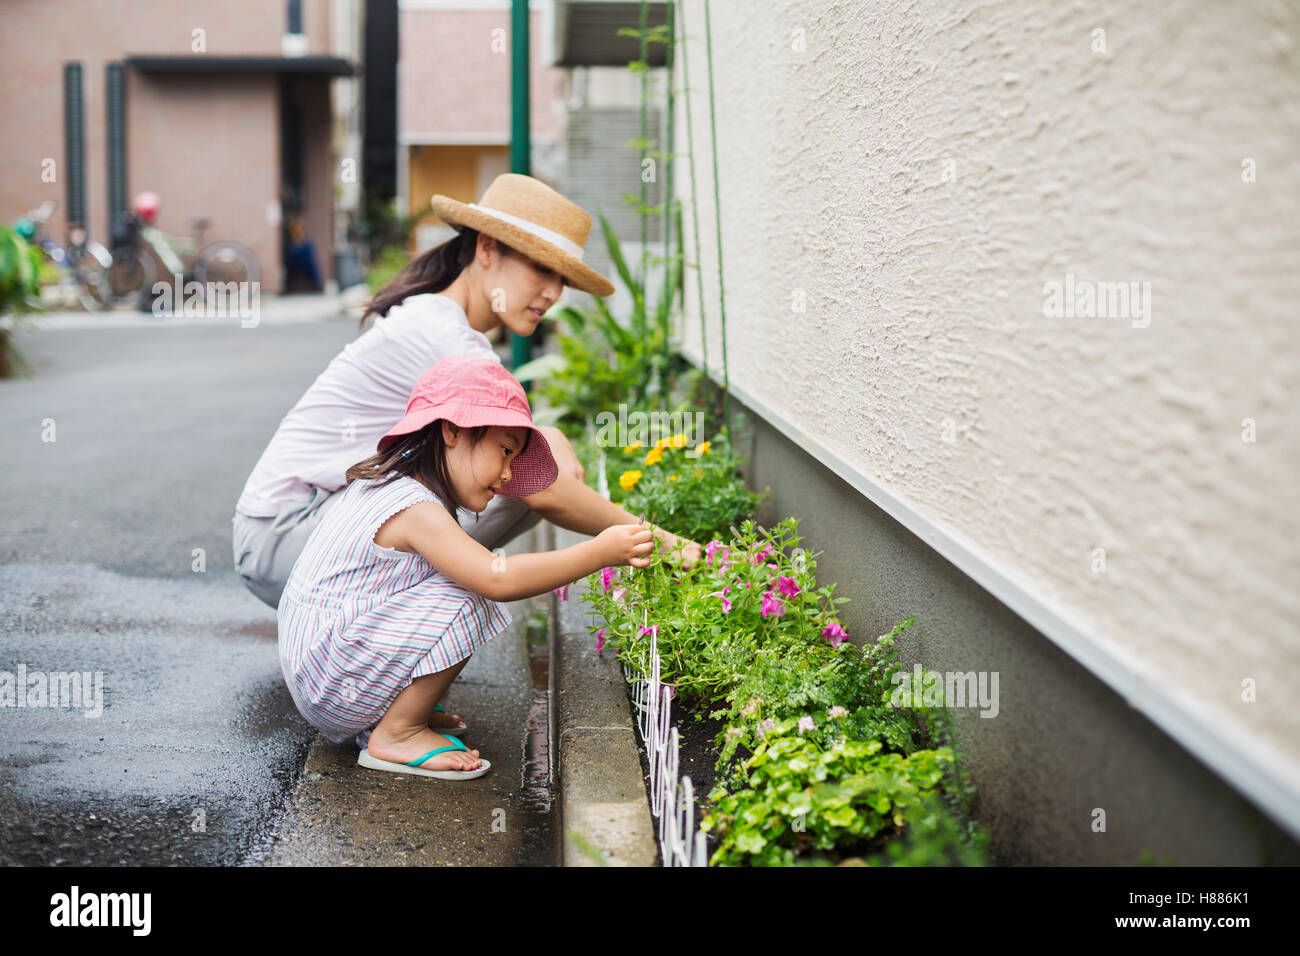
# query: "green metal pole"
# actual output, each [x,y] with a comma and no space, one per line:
[521,144]
[645,245]
[666,304]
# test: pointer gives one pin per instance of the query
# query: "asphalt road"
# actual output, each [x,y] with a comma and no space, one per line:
[115,564]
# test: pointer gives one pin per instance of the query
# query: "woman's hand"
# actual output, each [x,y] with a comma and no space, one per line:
[628,544]
[566,459]
[683,551]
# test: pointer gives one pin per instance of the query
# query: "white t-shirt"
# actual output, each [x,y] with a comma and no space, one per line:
[361,395]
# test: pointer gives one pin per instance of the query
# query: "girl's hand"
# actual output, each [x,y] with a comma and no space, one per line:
[628,544]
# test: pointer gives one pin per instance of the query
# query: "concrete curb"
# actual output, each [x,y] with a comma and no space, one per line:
[603,806]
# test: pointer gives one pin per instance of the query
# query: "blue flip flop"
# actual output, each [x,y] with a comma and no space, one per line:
[413,767]
[463,728]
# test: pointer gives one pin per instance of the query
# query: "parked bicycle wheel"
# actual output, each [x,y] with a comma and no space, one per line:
[90,264]
[227,261]
[130,276]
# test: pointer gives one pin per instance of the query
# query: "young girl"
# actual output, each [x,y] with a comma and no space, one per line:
[390,597]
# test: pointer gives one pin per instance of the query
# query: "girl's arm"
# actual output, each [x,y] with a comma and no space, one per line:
[429,529]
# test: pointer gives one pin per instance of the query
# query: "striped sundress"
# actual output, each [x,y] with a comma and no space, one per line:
[359,622]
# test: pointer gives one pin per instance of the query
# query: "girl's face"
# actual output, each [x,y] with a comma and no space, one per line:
[477,471]
[520,290]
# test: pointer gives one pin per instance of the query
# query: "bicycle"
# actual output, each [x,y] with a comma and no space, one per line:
[144,246]
[83,264]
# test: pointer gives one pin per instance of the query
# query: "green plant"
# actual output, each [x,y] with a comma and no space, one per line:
[842,691]
[604,362]
[934,837]
[697,493]
[385,266]
[710,619]
[384,226]
[20,278]
[801,797]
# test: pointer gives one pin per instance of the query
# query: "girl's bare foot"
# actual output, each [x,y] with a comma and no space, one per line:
[388,747]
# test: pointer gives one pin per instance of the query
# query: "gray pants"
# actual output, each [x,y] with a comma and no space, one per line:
[265,549]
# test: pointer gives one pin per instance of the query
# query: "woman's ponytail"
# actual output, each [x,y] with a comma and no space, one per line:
[431,271]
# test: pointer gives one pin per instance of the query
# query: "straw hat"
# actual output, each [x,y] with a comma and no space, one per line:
[531,217]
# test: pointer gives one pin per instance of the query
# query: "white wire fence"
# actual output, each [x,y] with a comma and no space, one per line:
[672,801]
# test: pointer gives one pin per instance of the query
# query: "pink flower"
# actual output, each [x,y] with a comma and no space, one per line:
[772,604]
[563,592]
[836,712]
[726,605]
[712,548]
[834,633]
[806,724]
[606,576]
[787,586]
[761,556]
[652,630]
[600,640]
[765,725]
[619,594]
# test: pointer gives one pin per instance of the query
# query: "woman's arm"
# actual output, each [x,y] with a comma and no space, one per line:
[572,504]
[566,459]
[429,529]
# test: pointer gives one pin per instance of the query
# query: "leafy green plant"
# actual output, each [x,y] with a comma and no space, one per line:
[386,265]
[800,796]
[604,362]
[697,493]
[934,837]
[710,619]
[841,691]
[20,281]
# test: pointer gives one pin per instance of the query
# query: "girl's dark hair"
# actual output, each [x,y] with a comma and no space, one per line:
[426,463]
[431,271]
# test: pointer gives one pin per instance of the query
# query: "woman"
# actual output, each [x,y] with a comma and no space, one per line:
[514,252]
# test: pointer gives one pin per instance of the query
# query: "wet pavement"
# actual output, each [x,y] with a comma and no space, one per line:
[342,814]
[115,565]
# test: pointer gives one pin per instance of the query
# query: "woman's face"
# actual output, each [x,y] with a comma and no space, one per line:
[478,470]
[519,290]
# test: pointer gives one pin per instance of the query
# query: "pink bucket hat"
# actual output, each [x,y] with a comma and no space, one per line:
[470,390]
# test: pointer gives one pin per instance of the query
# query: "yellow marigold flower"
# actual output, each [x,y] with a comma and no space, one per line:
[655,455]
[699,473]
[702,447]
[634,446]
[678,441]
[629,479]
[662,442]
[672,477]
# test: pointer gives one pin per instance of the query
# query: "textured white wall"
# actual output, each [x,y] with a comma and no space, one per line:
[920,171]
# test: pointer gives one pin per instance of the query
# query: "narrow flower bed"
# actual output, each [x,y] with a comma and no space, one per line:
[825,756]
[816,762]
